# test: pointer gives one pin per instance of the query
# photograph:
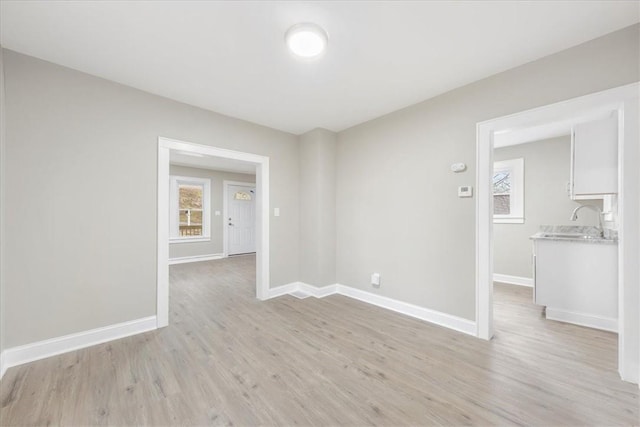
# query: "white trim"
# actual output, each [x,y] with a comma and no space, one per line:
[629,238]
[283,290]
[193,239]
[320,292]
[432,316]
[582,319]
[3,207]
[513,280]
[42,349]
[3,368]
[507,220]
[484,232]
[239,183]
[624,100]
[262,228]
[225,210]
[162,261]
[165,145]
[195,258]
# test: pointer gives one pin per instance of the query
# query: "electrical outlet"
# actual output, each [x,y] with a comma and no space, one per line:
[375,280]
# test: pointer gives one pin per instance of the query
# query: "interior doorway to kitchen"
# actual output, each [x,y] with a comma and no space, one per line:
[623,102]
[555,286]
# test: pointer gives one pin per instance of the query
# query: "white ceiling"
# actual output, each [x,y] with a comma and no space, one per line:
[230,56]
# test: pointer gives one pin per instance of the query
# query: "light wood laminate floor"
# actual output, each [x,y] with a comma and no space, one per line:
[228,359]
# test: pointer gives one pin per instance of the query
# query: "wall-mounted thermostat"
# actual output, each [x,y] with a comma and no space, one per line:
[458,167]
[465,191]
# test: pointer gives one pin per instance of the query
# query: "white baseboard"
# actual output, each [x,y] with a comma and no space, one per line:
[319,292]
[42,349]
[582,319]
[631,372]
[186,259]
[443,319]
[3,367]
[513,280]
[314,291]
[283,290]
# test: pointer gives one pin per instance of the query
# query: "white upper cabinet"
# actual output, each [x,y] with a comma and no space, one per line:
[594,159]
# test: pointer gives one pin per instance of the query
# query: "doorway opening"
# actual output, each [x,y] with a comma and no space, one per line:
[571,313]
[189,221]
[622,103]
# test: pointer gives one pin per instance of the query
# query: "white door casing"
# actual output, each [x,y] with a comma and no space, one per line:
[624,100]
[165,145]
[239,218]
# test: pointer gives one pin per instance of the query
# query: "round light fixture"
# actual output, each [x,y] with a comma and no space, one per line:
[306,40]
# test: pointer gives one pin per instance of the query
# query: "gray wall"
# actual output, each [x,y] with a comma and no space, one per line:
[318,207]
[547,166]
[398,210]
[76,140]
[2,204]
[215,245]
[81,176]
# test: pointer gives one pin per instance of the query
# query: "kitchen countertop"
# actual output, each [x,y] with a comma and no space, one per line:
[571,233]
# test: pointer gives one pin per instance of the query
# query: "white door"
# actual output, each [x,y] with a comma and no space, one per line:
[241,219]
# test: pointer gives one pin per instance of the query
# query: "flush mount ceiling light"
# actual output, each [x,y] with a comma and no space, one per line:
[306,40]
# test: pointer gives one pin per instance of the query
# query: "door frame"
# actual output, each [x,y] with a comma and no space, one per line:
[225,211]
[624,99]
[165,145]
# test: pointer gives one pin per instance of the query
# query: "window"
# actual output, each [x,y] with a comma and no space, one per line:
[508,191]
[190,214]
[242,195]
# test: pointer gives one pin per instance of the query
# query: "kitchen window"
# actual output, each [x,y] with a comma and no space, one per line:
[508,191]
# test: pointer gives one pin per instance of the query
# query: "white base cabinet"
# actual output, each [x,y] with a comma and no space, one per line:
[577,282]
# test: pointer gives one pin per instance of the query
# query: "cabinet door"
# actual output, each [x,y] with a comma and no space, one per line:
[594,165]
[577,277]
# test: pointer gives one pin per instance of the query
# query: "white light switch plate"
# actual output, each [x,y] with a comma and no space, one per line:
[276,211]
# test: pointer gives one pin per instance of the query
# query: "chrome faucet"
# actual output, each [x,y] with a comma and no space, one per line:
[574,216]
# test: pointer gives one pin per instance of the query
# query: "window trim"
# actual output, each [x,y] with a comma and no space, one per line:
[516,199]
[174,222]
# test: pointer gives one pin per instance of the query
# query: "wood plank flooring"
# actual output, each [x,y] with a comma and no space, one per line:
[228,359]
